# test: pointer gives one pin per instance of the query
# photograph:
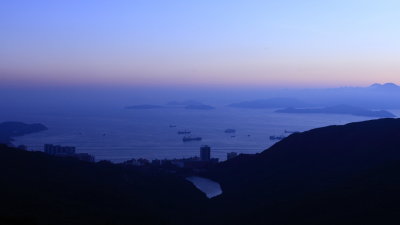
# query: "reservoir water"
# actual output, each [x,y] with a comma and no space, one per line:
[207,186]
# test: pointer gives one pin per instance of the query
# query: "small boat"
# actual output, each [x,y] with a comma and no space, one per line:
[186,139]
[230,131]
[291,132]
[172,125]
[276,138]
[184,132]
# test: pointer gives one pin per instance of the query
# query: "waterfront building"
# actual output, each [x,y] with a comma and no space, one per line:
[58,150]
[231,155]
[205,153]
[67,151]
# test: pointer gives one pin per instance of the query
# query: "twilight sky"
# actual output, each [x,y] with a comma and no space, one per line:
[281,43]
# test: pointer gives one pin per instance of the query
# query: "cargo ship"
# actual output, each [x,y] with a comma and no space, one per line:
[187,138]
[230,131]
[276,138]
[291,132]
[184,132]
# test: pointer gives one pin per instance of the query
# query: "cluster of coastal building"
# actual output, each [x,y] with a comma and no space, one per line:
[202,161]
[67,151]
[62,151]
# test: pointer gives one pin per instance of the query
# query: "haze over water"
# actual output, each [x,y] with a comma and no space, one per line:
[124,134]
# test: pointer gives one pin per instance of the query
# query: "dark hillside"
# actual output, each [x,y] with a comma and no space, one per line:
[37,188]
[280,182]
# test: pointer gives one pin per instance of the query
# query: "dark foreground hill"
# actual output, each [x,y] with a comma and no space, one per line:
[332,175]
[40,189]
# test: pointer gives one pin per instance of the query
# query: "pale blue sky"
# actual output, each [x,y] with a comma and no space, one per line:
[212,43]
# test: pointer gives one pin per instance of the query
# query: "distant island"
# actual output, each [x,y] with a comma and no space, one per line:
[341,109]
[195,106]
[144,107]
[200,107]
[11,129]
[270,103]
[385,87]
[184,103]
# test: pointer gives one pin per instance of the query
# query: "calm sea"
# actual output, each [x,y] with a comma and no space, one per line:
[124,134]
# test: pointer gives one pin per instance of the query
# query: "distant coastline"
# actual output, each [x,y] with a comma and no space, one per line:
[11,129]
[144,107]
[190,104]
[200,107]
[341,109]
[270,103]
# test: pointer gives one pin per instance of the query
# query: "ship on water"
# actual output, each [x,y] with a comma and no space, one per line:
[276,138]
[189,138]
[230,131]
[184,132]
[291,132]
